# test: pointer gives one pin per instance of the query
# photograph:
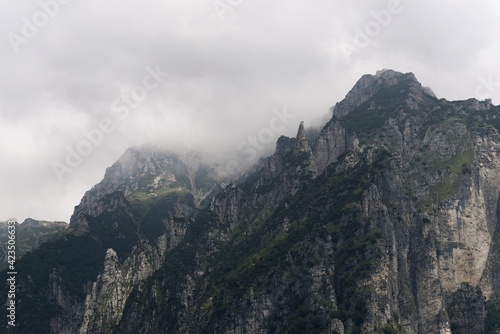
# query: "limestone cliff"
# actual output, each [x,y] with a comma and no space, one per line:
[386,223]
[118,236]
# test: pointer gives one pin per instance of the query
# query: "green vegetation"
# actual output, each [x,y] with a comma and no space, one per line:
[29,238]
[280,249]
[456,162]
[455,168]
[390,329]
[76,260]
[393,327]
[479,120]
[141,202]
[492,318]
[152,210]
[264,259]
[168,282]
[70,263]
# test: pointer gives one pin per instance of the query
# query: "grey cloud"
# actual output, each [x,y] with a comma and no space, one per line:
[225,77]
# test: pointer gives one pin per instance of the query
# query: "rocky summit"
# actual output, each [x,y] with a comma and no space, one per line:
[386,221]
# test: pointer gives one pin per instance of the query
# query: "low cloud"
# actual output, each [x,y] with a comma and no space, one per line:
[226,77]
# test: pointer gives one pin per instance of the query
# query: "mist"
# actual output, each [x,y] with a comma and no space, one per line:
[82,81]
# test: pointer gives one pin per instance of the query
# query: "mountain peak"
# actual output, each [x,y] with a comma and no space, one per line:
[301,133]
[302,143]
[368,85]
[389,75]
[400,183]
[148,171]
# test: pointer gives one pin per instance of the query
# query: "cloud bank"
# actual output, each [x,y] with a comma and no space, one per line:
[71,67]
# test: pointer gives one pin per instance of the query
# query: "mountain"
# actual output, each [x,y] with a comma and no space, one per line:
[29,236]
[134,216]
[384,222]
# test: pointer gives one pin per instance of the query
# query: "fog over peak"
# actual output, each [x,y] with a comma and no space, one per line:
[206,75]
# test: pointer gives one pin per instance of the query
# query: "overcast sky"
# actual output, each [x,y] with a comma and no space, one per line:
[72,68]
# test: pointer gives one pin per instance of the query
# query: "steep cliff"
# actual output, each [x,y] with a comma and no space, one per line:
[387,223]
[118,236]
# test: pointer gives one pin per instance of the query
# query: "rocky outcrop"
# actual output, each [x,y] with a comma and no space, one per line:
[66,322]
[150,171]
[369,85]
[106,300]
[331,143]
[466,309]
[429,212]
[386,223]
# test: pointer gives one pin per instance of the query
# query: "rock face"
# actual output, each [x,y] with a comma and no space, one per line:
[106,300]
[387,223]
[146,172]
[118,236]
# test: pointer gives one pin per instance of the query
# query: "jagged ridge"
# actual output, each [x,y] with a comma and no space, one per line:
[386,224]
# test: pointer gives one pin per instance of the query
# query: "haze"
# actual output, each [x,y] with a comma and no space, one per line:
[67,67]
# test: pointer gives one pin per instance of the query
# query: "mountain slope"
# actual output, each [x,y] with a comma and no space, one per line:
[141,210]
[386,224]
[29,236]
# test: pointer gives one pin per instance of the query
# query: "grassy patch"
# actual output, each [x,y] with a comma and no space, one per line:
[455,167]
